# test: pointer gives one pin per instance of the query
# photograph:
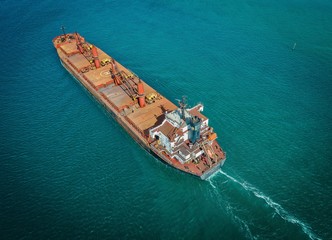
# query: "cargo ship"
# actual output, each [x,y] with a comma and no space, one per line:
[176,134]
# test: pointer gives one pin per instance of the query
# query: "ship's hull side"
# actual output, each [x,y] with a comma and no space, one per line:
[146,147]
[126,123]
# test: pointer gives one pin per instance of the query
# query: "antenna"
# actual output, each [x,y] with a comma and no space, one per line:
[183,104]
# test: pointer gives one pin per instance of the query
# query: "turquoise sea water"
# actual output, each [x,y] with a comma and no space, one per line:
[68,171]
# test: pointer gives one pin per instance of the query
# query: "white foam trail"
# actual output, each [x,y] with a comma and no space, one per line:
[246,227]
[243,224]
[278,209]
[212,184]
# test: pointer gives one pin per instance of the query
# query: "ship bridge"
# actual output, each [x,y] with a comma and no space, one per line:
[182,133]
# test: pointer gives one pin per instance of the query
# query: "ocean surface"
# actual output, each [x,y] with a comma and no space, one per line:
[69,171]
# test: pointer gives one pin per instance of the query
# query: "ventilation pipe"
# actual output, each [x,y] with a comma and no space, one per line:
[95,57]
[141,98]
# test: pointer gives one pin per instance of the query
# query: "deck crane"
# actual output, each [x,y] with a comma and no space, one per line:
[114,74]
[78,43]
[121,78]
[127,82]
[129,87]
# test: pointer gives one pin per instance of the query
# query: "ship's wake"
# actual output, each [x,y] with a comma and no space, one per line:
[278,209]
[230,210]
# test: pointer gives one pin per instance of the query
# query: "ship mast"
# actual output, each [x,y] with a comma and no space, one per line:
[183,104]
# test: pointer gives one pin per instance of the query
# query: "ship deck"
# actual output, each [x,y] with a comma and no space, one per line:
[121,101]
[199,168]
[100,78]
